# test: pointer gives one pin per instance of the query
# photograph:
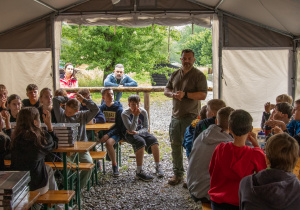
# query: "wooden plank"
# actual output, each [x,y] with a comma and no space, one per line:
[56,197]
[206,206]
[28,200]
[79,146]
[60,166]
[99,127]
[98,155]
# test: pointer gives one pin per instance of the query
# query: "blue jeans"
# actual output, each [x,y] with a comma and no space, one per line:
[118,96]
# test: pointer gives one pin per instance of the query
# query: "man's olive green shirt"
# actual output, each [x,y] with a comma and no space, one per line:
[193,81]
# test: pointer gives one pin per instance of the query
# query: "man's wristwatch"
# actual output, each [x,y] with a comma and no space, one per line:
[185,95]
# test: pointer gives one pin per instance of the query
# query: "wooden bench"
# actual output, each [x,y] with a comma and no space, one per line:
[97,155]
[53,197]
[206,206]
[82,166]
[7,163]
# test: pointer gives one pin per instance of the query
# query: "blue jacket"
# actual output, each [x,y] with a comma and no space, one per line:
[113,115]
[112,81]
[293,127]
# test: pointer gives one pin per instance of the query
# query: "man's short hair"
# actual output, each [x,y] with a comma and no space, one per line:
[285,108]
[203,112]
[73,103]
[60,92]
[187,51]
[134,98]
[216,104]
[282,150]
[31,87]
[84,92]
[119,66]
[285,98]
[103,91]
[223,116]
[240,122]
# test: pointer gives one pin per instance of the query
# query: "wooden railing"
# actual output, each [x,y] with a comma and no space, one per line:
[145,90]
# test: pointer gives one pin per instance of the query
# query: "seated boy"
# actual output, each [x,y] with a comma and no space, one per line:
[189,132]
[198,177]
[32,92]
[112,111]
[3,97]
[136,122]
[276,187]
[233,161]
[268,107]
[213,107]
[72,115]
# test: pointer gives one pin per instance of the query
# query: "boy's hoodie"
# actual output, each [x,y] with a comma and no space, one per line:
[198,178]
[113,115]
[82,117]
[229,164]
[293,127]
[100,118]
[270,189]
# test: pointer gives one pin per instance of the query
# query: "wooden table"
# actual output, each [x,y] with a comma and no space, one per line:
[96,128]
[79,147]
[28,200]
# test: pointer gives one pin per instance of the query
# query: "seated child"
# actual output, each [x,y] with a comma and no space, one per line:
[189,132]
[29,146]
[99,118]
[198,177]
[14,106]
[276,187]
[112,111]
[61,92]
[281,117]
[136,122]
[3,97]
[213,107]
[72,115]
[5,133]
[268,107]
[32,92]
[233,161]
[46,104]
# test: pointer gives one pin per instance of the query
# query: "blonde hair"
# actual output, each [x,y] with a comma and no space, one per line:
[284,98]
[216,104]
[283,152]
[44,90]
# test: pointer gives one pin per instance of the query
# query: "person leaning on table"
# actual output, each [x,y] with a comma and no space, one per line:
[119,79]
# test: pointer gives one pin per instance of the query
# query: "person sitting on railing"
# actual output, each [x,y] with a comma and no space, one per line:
[119,79]
[68,79]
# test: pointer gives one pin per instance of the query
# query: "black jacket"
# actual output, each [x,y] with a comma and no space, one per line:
[25,156]
[202,125]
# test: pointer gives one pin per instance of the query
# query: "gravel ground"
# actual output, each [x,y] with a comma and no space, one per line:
[126,192]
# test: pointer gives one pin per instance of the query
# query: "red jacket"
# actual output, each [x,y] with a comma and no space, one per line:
[229,164]
[64,83]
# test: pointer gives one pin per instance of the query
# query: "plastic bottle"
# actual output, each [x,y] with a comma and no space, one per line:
[261,138]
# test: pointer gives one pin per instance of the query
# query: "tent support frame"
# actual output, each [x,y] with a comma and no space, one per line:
[220,16]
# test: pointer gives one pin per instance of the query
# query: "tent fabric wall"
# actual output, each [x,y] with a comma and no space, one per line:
[139,20]
[32,36]
[57,43]
[19,68]
[297,94]
[254,76]
[237,33]
[215,57]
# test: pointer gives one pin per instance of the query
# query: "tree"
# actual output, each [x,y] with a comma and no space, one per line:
[138,49]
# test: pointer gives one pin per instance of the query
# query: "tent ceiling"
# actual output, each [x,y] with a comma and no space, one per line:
[278,14]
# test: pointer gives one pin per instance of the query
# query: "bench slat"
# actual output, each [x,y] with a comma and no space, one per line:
[98,155]
[82,166]
[56,197]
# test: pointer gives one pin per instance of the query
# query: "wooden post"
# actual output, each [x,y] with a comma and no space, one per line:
[147,105]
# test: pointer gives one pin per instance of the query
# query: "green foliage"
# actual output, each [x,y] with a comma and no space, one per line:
[200,42]
[139,49]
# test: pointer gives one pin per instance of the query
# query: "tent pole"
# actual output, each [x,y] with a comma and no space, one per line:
[53,51]
[220,16]
[294,67]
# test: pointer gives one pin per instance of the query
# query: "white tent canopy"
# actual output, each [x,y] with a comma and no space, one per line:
[255,54]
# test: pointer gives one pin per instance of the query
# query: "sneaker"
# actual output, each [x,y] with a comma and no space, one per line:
[175,180]
[159,172]
[144,177]
[115,171]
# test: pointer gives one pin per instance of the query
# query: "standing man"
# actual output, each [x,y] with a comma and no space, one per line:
[186,86]
[119,79]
